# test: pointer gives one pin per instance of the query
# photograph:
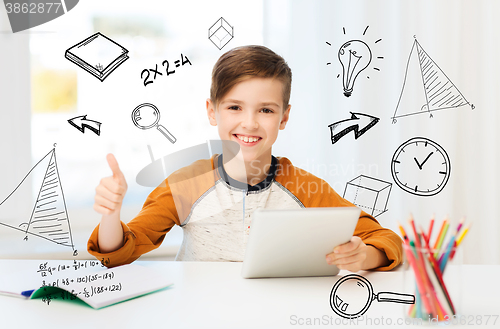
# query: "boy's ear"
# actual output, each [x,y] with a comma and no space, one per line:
[211,112]
[286,116]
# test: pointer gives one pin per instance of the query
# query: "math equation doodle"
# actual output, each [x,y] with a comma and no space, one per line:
[149,75]
[49,216]
[94,286]
[45,269]
[438,92]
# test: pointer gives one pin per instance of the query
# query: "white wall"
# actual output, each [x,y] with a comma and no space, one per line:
[15,132]
[461,37]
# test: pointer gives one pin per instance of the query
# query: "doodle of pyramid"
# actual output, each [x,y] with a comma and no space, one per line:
[426,84]
[48,219]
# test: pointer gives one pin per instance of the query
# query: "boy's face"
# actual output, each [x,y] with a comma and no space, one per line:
[251,114]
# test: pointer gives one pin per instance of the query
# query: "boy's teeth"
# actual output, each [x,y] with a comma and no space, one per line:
[248,139]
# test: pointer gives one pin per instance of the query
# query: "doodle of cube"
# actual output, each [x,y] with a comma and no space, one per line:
[220,33]
[368,194]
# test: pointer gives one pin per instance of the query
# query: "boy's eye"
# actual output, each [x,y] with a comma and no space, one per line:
[267,111]
[234,107]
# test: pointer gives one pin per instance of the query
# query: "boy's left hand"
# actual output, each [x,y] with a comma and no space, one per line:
[349,256]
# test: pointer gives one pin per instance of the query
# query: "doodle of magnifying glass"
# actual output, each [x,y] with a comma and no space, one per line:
[146,116]
[352,295]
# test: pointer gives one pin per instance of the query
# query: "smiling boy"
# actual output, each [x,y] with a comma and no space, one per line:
[213,199]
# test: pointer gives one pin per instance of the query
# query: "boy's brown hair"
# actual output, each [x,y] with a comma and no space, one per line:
[242,63]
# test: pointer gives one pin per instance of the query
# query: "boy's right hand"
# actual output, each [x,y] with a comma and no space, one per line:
[111,190]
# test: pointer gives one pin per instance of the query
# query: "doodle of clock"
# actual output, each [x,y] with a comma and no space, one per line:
[421,167]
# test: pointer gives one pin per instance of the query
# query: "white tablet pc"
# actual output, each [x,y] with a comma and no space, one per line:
[294,242]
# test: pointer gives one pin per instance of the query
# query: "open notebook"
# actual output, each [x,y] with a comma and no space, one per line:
[101,288]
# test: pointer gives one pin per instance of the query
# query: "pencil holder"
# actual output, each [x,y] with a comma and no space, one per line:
[434,276]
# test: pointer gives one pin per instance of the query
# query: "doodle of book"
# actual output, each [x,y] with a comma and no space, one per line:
[98,55]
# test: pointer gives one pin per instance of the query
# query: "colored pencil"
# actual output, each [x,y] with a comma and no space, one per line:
[446,254]
[439,234]
[452,241]
[415,310]
[403,232]
[441,238]
[13,294]
[439,277]
[434,281]
[431,225]
[462,235]
[454,249]
[420,259]
[418,279]
[426,279]
[460,224]
[418,305]
[412,225]
[429,290]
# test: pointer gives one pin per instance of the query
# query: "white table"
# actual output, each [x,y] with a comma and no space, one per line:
[213,295]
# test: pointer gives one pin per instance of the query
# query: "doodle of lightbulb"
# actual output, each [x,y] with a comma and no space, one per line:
[355,56]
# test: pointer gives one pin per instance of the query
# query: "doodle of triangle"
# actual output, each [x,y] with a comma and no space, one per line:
[16,207]
[49,217]
[430,85]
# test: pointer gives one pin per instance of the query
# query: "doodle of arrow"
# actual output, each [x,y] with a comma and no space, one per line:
[356,121]
[81,123]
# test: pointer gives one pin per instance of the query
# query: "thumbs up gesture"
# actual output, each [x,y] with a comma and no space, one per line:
[111,190]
